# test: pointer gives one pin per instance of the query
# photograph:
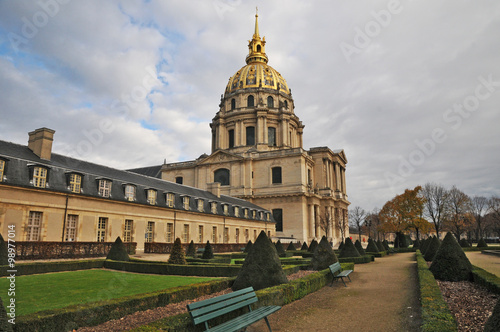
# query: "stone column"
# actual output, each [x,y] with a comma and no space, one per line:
[316,215]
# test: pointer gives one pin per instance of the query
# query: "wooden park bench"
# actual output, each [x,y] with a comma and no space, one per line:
[200,251]
[335,267]
[203,311]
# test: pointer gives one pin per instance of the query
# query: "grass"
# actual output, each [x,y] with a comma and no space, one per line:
[58,290]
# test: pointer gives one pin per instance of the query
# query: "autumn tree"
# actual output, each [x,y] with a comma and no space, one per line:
[356,218]
[436,204]
[461,218]
[479,206]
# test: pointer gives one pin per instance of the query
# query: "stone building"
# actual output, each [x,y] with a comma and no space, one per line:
[258,155]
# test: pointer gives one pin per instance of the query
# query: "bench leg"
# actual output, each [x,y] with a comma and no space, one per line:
[343,281]
[349,278]
[268,325]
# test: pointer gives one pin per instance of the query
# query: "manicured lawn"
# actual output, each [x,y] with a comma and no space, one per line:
[57,290]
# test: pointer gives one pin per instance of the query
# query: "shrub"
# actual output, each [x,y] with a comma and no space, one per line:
[380,246]
[464,243]
[313,246]
[177,254]
[248,247]
[118,251]
[4,252]
[482,244]
[290,247]
[450,262]
[416,244]
[386,245]
[432,249]
[359,248]
[279,248]
[304,246]
[209,252]
[191,249]
[4,323]
[323,256]
[372,247]
[262,266]
[493,323]
[341,245]
[349,250]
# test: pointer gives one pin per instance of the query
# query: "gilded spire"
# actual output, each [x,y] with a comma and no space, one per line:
[256,33]
[256,46]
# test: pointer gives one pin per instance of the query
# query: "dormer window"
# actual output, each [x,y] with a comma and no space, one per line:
[40,177]
[151,196]
[236,211]
[185,202]
[170,199]
[253,214]
[200,204]
[2,169]
[226,209]
[130,192]
[104,188]
[75,183]
[245,213]
[213,207]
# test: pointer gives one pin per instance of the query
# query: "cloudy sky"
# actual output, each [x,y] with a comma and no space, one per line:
[409,89]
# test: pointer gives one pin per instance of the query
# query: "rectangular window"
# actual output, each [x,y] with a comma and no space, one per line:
[170,200]
[250,134]
[185,234]
[152,196]
[276,175]
[71,227]
[226,235]
[214,234]
[39,177]
[271,136]
[185,202]
[246,213]
[75,183]
[231,138]
[200,234]
[237,235]
[226,209]
[130,192]
[236,211]
[213,206]
[101,229]
[278,217]
[170,232]
[127,230]
[150,232]
[2,169]
[34,226]
[253,214]
[104,188]
[178,180]
[200,205]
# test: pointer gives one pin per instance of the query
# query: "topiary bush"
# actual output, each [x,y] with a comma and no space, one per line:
[118,251]
[482,243]
[209,251]
[450,262]
[425,245]
[304,246]
[380,246]
[386,245]
[464,243]
[4,252]
[416,244]
[279,248]
[359,248]
[323,256]
[349,250]
[248,247]
[313,246]
[372,247]
[4,320]
[493,323]
[262,266]
[432,249]
[191,250]
[290,247]
[177,254]
[341,245]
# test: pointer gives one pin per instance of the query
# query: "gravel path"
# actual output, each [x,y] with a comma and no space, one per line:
[383,296]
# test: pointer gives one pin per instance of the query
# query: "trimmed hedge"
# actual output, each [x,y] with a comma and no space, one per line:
[24,269]
[405,249]
[377,254]
[91,314]
[436,316]
[486,279]
[357,260]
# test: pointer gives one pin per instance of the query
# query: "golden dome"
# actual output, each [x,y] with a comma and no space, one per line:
[257,73]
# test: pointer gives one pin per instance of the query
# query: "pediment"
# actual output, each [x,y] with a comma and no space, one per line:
[220,157]
[341,154]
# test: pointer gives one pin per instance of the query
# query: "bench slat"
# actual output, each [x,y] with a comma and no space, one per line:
[220,298]
[245,320]
[224,309]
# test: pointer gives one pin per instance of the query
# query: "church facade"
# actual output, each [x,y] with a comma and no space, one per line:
[258,155]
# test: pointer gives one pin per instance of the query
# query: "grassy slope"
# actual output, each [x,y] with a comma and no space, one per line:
[57,290]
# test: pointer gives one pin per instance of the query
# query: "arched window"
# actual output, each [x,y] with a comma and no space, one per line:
[258,48]
[233,104]
[250,101]
[222,176]
[270,102]
[286,104]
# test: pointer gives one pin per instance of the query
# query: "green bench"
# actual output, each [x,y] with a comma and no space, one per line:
[334,268]
[200,252]
[203,311]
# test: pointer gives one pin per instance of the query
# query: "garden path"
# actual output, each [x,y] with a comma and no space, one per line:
[490,263]
[383,296]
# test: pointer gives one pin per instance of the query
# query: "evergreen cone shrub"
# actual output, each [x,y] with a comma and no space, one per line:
[248,246]
[432,249]
[450,262]
[4,252]
[279,248]
[482,243]
[372,247]
[313,246]
[177,254]
[290,247]
[191,250]
[349,250]
[262,267]
[386,245]
[359,248]
[323,256]
[425,245]
[209,251]
[380,246]
[118,251]
[416,244]
[4,320]
[341,245]
[464,243]
[304,246]
[493,323]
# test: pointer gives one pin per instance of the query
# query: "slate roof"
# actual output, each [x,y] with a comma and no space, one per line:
[152,171]
[20,159]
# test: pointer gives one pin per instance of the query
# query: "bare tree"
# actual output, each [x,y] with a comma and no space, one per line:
[342,222]
[436,204]
[356,219]
[494,213]
[325,221]
[479,206]
[372,221]
[461,218]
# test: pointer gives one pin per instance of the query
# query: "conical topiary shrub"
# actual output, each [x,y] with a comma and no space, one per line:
[341,245]
[348,250]
[262,267]
[248,246]
[425,245]
[118,251]
[380,246]
[464,243]
[359,248]
[416,244]
[450,262]
[493,323]
[323,256]
[432,249]
[386,245]
[4,252]
[313,246]
[4,320]
[191,250]
[177,254]
[290,247]
[209,251]
[371,247]
[482,243]
[304,247]
[280,249]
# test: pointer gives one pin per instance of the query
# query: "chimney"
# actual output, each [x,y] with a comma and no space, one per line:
[40,142]
[214,188]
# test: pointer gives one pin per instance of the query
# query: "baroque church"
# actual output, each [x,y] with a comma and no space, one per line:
[258,155]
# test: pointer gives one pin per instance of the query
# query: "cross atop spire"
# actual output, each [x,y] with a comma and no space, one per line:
[256,33]
[256,46]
